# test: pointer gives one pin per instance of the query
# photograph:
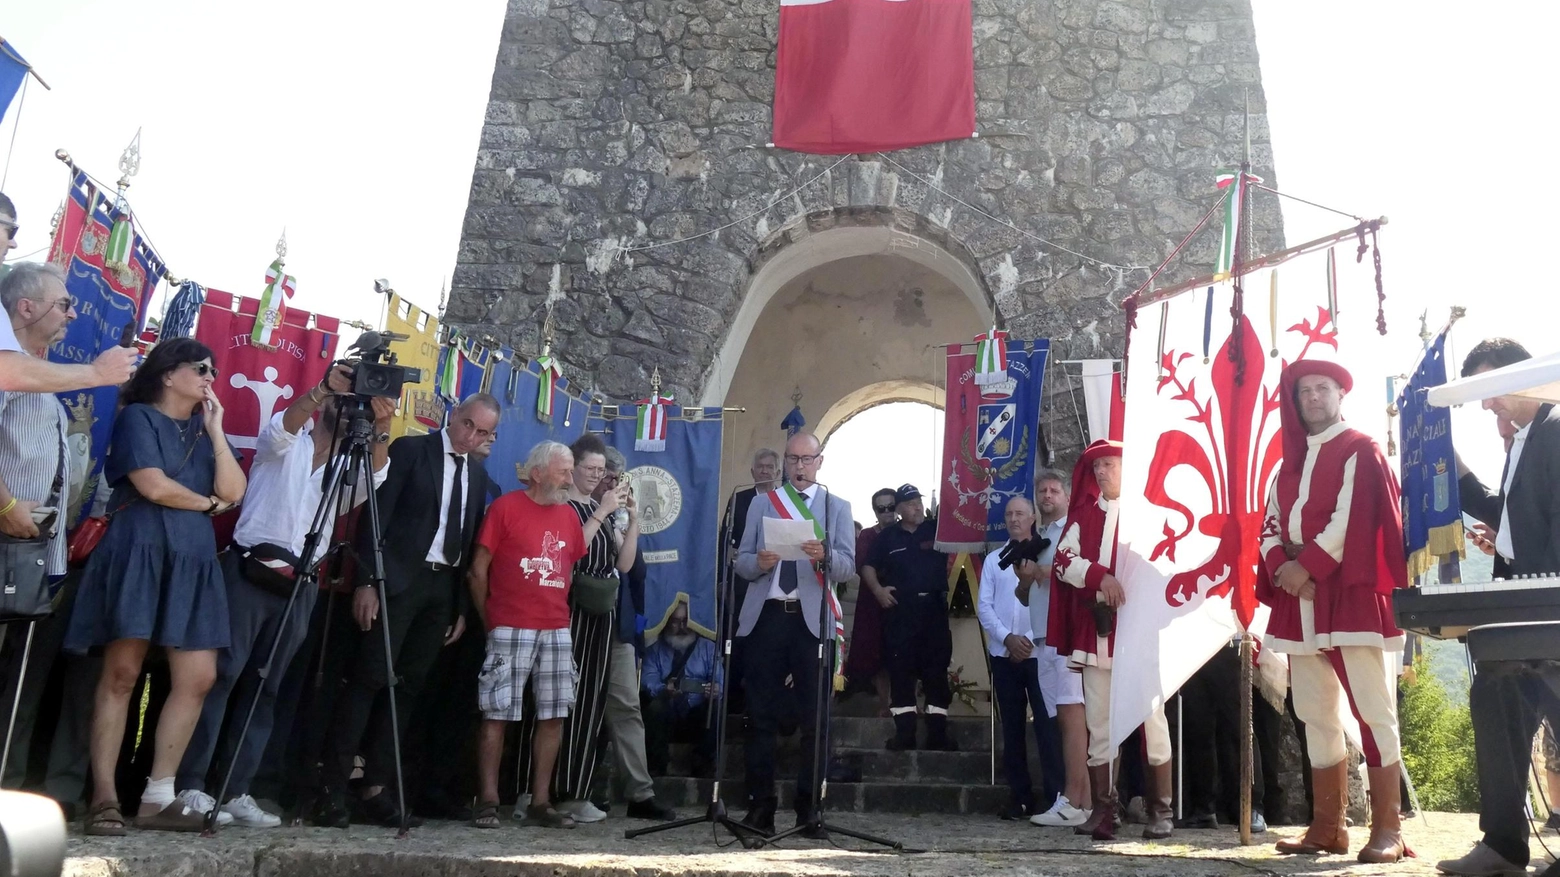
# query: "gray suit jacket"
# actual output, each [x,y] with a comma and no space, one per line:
[834,514]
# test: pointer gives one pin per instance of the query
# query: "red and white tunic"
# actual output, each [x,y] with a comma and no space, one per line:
[1338,515]
[1086,553]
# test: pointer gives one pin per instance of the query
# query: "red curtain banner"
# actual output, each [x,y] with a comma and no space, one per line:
[868,75]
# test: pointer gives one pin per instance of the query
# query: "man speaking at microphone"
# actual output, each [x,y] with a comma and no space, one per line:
[780,621]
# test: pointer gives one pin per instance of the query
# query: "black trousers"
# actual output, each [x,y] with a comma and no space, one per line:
[1508,700]
[1015,686]
[441,749]
[1211,738]
[918,646]
[668,719]
[780,645]
[418,618]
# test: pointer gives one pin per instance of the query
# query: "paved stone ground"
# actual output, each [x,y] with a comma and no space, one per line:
[959,846]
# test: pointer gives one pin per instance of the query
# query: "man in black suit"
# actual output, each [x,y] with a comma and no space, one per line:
[1521,520]
[430,509]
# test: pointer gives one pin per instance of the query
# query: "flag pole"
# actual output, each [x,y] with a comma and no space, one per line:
[1242,249]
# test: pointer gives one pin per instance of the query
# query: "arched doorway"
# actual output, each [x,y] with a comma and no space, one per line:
[847,318]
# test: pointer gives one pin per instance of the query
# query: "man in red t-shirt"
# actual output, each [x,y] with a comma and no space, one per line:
[519,577]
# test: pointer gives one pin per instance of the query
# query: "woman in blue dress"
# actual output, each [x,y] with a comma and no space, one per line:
[154,579]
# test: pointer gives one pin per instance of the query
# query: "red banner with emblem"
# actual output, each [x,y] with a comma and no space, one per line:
[255,383]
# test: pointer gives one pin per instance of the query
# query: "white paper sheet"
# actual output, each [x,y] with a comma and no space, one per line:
[785,537]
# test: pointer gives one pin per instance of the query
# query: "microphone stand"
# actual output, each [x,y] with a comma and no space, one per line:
[823,710]
[716,812]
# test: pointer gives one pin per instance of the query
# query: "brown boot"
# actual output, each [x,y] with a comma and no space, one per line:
[1157,803]
[1105,806]
[1099,784]
[1328,832]
[1386,832]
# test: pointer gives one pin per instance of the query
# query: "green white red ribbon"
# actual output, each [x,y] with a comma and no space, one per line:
[990,358]
[449,374]
[279,289]
[116,253]
[1234,202]
[789,503]
[548,374]
[650,432]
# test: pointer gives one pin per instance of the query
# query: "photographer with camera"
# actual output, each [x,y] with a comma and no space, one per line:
[1015,676]
[286,482]
[430,508]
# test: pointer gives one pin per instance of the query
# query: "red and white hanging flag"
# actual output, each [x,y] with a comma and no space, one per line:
[650,426]
[869,75]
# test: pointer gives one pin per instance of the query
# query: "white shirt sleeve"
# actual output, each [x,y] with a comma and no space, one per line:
[275,441]
[8,340]
[986,606]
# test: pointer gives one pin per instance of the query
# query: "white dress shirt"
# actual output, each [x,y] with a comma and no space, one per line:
[1503,535]
[284,490]
[814,495]
[998,608]
[436,550]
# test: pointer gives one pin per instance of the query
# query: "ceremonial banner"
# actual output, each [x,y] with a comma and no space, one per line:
[678,492]
[1102,399]
[867,75]
[990,436]
[514,385]
[13,71]
[107,302]
[1432,510]
[1202,450]
[256,381]
[421,409]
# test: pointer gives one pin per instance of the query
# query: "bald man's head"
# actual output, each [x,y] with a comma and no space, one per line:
[803,458]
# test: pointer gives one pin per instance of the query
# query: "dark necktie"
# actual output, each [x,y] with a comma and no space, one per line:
[788,577]
[452,516]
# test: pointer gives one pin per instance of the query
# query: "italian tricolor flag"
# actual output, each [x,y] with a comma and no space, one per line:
[548,373]
[279,289]
[650,431]
[1234,201]
[789,503]
[990,358]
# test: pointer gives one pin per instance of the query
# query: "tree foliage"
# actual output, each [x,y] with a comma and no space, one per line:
[1437,744]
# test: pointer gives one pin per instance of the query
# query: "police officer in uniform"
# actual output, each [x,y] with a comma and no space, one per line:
[909,577]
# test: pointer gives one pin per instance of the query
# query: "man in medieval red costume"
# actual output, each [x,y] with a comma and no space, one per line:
[1332,553]
[1082,628]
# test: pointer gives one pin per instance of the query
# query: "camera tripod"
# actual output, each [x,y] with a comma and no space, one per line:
[350,469]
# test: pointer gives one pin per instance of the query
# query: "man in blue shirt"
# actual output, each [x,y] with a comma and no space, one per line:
[680,677]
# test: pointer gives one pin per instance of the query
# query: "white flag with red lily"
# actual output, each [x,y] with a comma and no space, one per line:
[279,289]
[650,426]
[1202,450]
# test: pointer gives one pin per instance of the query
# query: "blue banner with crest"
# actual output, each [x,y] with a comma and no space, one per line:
[1432,510]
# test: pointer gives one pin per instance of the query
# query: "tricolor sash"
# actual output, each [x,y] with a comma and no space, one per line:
[789,503]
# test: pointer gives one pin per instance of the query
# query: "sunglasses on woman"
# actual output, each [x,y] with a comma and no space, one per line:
[204,370]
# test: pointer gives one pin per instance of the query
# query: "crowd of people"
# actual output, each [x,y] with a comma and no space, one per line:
[509,654]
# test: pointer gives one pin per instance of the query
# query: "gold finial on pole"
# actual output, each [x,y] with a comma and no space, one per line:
[655,382]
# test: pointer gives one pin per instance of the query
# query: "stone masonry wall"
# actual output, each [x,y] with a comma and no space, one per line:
[611,124]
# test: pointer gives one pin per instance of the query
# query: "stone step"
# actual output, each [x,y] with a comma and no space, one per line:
[912,798]
[876,765]
[971,733]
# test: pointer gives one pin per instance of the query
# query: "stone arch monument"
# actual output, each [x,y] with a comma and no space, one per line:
[620,133]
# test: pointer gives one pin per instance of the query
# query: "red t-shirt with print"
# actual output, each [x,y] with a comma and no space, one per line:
[534,550]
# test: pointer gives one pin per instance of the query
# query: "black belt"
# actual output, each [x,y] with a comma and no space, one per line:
[437,567]
[790,606]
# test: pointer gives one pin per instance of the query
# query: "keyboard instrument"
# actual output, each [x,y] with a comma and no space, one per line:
[1446,611]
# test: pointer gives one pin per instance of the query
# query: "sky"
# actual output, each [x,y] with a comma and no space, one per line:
[354,127]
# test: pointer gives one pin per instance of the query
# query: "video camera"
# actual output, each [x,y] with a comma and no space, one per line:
[1017,552]
[374,368]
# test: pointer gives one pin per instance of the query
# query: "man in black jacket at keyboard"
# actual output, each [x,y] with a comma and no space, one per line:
[1522,521]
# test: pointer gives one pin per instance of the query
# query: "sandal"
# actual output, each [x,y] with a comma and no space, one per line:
[546,816]
[105,820]
[485,816]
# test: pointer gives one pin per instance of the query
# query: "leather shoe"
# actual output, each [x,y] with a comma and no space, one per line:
[382,809]
[650,808]
[330,810]
[1201,819]
[811,829]
[1482,861]
[760,817]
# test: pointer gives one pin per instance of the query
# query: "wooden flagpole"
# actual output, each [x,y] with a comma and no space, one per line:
[1242,247]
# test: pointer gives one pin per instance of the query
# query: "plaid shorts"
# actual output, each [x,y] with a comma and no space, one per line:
[514,655]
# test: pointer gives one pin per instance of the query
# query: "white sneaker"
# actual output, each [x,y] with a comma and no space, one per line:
[247,813]
[196,801]
[1062,813]
[582,811]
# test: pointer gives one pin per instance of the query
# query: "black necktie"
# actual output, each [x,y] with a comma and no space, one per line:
[788,577]
[452,516]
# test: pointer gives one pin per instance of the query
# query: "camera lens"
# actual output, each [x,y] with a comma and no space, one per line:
[376,381]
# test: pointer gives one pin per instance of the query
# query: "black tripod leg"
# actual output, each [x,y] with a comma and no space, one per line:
[361,460]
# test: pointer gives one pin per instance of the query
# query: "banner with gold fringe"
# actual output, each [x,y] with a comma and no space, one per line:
[1432,509]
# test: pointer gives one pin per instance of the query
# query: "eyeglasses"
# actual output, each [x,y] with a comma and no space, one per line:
[804,459]
[204,370]
[11,229]
[883,509]
[66,304]
[594,470]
